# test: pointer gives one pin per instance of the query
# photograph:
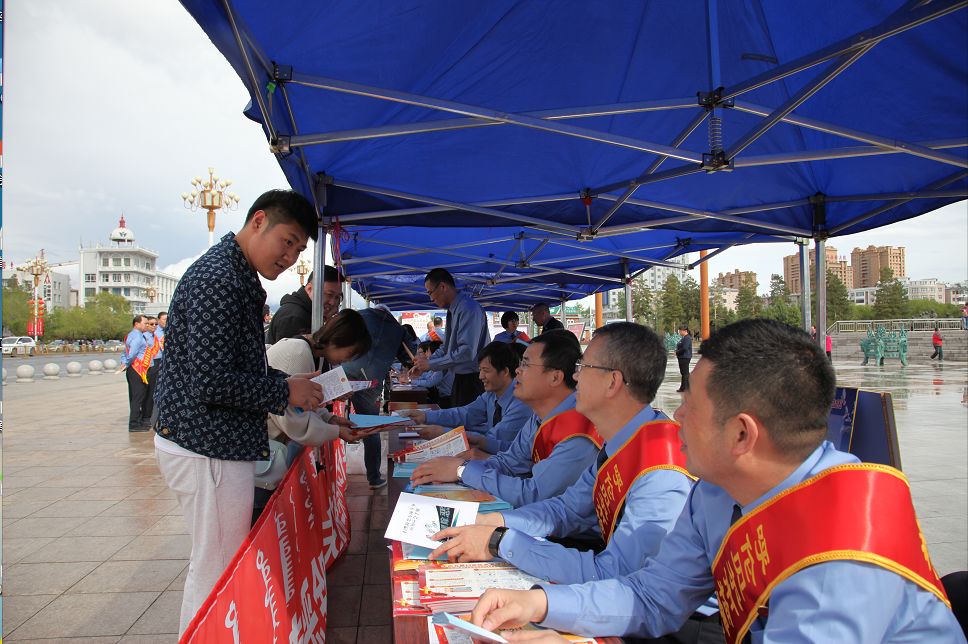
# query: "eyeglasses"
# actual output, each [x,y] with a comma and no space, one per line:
[527,364]
[431,291]
[579,365]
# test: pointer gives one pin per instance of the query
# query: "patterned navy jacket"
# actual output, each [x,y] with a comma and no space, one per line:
[215,386]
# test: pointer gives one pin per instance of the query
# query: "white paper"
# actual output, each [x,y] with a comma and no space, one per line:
[451,443]
[452,621]
[334,383]
[416,518]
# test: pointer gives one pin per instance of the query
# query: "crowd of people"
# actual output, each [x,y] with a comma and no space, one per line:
[733,519]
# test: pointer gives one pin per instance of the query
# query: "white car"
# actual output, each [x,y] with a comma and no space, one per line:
[18,344]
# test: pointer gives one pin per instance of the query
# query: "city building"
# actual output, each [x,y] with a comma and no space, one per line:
[124,268]
[838,266]
[54,289]
[956,293]
[867,264]
[866,296]
[726,296]
[925,289]
[737,279]
[655,278]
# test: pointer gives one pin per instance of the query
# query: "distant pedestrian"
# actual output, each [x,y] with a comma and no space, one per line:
[154,346]
[964,317]
[683,356]
[936,342]
[829,347]
[136,372]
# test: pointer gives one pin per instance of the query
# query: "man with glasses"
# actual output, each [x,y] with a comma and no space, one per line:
[552,449]
[466,336]
[295,314]
[631,496]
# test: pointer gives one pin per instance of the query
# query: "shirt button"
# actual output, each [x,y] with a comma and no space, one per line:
[510,553]
[165,431]
[265,453]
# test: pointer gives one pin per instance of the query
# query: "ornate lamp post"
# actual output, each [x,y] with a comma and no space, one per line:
[302,269]
[210,195]
[151,293]
[37,267]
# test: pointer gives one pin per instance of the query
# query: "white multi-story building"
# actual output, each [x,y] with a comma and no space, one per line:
[654,279]
[926,289]
[866,296]
[124,268]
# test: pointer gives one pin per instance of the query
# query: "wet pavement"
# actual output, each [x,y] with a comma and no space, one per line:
[95,549]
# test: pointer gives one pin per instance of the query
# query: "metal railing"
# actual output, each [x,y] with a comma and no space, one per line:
[911,325]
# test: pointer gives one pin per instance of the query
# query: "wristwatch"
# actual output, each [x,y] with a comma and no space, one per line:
[460,470]
[495,540]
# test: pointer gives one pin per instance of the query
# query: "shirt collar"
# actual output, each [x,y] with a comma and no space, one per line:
[645,415]
[505,400]
[563,406]
[803,471]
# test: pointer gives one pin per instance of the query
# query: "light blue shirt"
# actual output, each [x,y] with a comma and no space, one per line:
[505,336]
[443,380]
[511,475]
[652,506]
[478,416]
[160,336]
[134,347]
[466,336]
[836,601]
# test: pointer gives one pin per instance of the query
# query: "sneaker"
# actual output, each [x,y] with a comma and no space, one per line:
[378,484]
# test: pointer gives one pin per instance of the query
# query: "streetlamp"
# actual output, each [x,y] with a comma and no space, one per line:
[210,195]
[302,269]
[151,292]
[37,267]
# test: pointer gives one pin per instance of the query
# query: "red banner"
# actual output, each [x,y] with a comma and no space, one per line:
[35,326]
[275,588]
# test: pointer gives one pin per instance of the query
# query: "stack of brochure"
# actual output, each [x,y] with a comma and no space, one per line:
[450,443]
[456,587]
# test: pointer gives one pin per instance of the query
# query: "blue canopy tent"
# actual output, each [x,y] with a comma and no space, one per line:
[591,121]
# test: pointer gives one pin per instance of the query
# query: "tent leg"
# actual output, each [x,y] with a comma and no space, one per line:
[703,297]
[804,284]
[564,318]
[320,251]
[821,291]
[628,290]
[598,310]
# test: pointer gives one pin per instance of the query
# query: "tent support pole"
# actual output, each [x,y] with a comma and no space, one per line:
[628,290]
[703,297]
[321,249]
[804,283]
[254,87]
[820,264]
[561,313]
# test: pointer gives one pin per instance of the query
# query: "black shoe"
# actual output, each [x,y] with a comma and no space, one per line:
[138,428]
[680,390]
[378,484]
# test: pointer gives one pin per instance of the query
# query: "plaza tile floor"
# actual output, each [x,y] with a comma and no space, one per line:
[95,549]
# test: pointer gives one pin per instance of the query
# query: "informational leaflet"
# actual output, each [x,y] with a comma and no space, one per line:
[450,443]
[334,383]
[374,422]
[448,630]
[417,518]
[456,587]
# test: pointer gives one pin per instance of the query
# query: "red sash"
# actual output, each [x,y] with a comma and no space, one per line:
[655,446]
[867,515]
[432,335]
[557,429]
[141,366]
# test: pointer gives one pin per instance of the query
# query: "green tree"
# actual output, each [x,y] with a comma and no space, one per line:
[671,312]
[642,303]
[838,306]
[691,301]
[748,303]
[931,309]
[891,300]
[16,310]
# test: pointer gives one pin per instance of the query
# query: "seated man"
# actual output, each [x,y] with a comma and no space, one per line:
[800,542]
[552,449]
[438,384]
[494,419]
[632,494]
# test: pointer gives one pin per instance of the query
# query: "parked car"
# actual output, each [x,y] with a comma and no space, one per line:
[18,344]
[57,345]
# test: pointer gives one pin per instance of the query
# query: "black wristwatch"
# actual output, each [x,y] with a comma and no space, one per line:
[495,540]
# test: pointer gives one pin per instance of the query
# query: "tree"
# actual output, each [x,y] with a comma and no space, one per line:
[778,288]
[670,306]
[748,303]
[891,300]
[16,310]
[642,304]
[691,301]
[838,306]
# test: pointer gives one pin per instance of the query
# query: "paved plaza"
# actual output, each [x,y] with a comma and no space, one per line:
[95,549]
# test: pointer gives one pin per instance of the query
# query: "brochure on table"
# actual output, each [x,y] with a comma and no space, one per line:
[416,518]
[450,443]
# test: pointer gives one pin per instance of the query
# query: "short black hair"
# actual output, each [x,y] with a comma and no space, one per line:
[539,306]
[437,319]
[429,345]
[501,357]
[438,275]
[508,317]
[136,319]
[345,329]
[286,206]
[330,274]
[638,353]
[776,373]
[160,313]
[408,333]
[560,351]
[683,327]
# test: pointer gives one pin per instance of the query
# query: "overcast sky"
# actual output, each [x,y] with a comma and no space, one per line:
[112,106]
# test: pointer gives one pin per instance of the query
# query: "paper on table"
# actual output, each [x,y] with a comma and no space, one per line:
[452,621]
[366,421]
[416,518]
[334,383]
[451,443]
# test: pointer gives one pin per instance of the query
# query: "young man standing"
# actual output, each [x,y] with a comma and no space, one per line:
[295,314]
[216,387]
[466,336]
[683,356]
